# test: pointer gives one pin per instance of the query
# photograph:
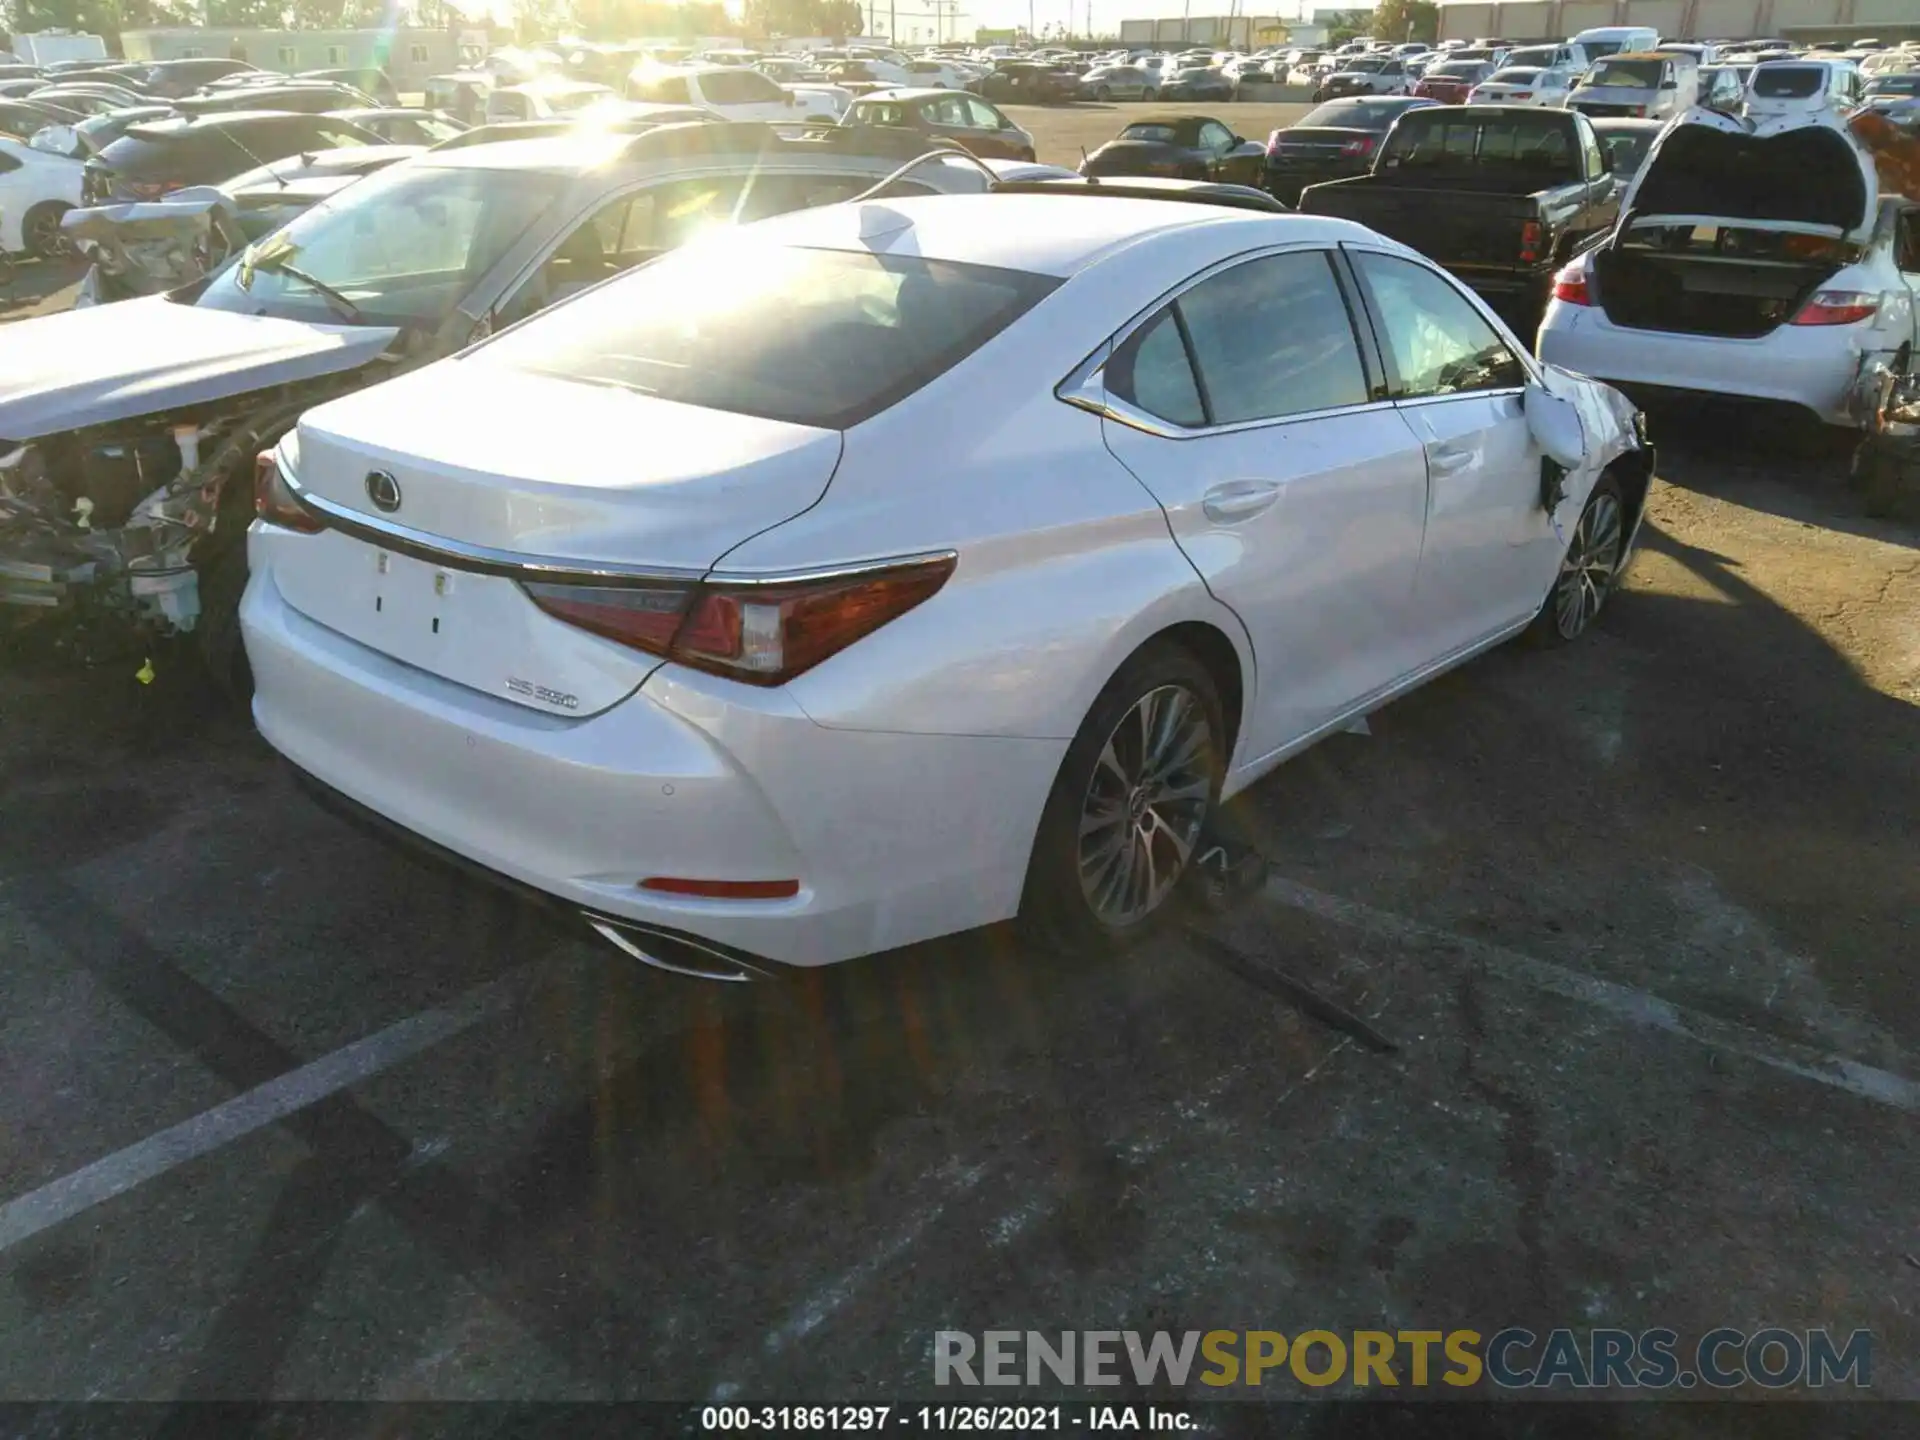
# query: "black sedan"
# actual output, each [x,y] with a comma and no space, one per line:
[1198,82]
[1338,139]
[1190,147]
[1030,84]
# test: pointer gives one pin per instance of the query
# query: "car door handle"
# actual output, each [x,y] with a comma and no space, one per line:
[1445,459]
[1237,500]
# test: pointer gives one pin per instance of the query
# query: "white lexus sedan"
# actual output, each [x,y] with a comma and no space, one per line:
[889,569]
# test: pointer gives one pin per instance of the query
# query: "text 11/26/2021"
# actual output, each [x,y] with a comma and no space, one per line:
[986,1418]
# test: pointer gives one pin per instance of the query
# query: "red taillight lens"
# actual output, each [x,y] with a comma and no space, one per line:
[1273,143]
[1838,307]
[152,189]
[1521,95]
[1570,285]
[1359,145]
[762,634]
[1530,241]
[273,502]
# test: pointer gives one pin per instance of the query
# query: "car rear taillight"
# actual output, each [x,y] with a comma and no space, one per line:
[722,889]
[153,189]
[1359,145]
[1570,285]
[1838,307]
[762,633]
[273,502]
[1530,241]
[1273,143]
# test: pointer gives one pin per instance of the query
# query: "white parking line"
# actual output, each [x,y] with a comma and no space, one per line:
[60,1200]
[1636,1006]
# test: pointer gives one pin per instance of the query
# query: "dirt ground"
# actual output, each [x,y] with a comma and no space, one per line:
[290,1115]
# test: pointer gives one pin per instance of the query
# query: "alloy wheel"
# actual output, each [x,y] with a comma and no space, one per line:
[1145,804]
[43,236]
[1591,564]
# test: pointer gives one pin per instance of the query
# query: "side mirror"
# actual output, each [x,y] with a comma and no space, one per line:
[1555,426]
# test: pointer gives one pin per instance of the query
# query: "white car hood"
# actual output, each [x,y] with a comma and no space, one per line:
[114,362]
[1796,169]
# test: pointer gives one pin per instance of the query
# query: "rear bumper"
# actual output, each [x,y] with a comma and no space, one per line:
[894,838]
[1812,367]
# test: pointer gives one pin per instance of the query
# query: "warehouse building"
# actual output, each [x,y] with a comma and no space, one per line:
[1803,20]
[408,55]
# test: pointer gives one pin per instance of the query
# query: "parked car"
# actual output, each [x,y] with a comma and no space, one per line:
[954,115]
[173,79]
[1897,97]
[1779,88]
[1723,87]
[21,119]
[937,74]
[36,190]
[547,100]
[1334,141]
[1598,44]
[462,94]
[1500,195]
[1627,144]
[1014,82]
[89,99]
[1517,85]
[161,403]
[1190,147]
[1451,81]
[90,136]
[156,156]
[308,97]
[734,93]
[1119,82]
[628,119]
[1570,58]
[1759,259]
[403,126]
[1368,75]
[1638,86]
[1200,82]
[369,80]
[755,695]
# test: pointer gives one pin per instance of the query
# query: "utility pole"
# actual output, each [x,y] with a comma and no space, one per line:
[893,24]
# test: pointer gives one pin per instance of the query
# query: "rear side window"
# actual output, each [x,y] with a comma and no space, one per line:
[814,337]
[1264,340]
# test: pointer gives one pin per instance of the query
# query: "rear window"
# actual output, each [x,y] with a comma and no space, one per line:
[813,337]
[1788,82]
[1458,70]
[1515,77]
[1359,114]
[1432,139]
[1537,56]
[1630,74]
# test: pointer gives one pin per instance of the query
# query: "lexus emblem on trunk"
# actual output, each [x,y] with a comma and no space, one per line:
[383,490]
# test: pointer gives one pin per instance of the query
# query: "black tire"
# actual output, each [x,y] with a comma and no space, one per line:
[1589,569]
[1056,906]
[40,230]
[1102,93]
[1149,94]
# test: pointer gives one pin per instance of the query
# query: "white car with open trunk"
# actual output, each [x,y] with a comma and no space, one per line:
[1751,259]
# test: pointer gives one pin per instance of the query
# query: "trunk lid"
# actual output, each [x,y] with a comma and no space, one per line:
[1453,226]
[1807,170]
[553,472]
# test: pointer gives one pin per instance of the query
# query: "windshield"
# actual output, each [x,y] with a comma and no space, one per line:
[1603,47]
[404,246]
[1626,74]
[1515,77]
[815,337]
[1890,85]
[1788,82]
[1365,65]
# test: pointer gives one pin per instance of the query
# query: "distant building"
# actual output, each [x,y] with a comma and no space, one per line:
[1239,32]
[1805,20]
[408,56]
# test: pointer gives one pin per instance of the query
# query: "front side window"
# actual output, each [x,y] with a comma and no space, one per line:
[1436,342]
[948,110]
[1215,136]
[813,337]
[985,117]
[880,112]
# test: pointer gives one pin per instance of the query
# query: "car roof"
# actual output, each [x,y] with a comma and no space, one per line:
[562,154]
[178,125]
[1048,234]
[907,92]
[1167,118]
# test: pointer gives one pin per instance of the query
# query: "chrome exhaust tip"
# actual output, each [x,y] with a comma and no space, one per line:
[675,953]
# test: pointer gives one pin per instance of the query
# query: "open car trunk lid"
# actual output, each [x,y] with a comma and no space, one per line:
[1732,226]
[486,477]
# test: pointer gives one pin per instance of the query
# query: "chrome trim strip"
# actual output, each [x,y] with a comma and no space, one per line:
[519,565]
[479,559]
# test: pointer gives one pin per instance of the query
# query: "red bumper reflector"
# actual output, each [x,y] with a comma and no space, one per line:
[723,889]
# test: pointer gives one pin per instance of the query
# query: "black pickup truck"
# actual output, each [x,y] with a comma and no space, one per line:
[1500,195]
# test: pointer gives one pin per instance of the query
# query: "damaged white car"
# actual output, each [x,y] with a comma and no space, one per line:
[1752,259]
